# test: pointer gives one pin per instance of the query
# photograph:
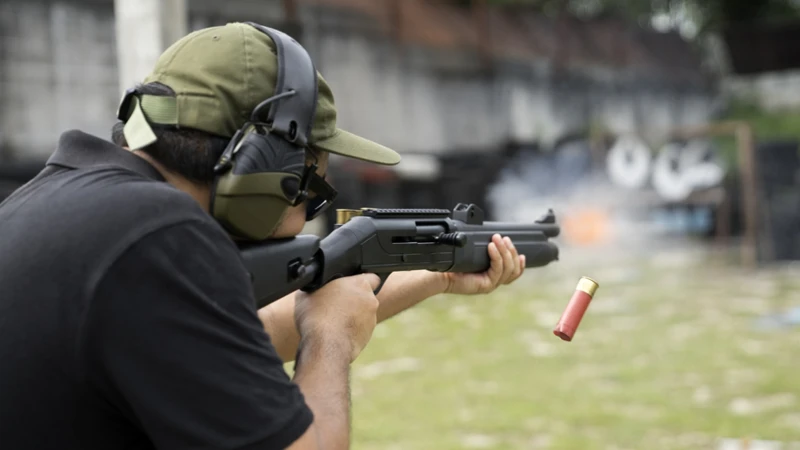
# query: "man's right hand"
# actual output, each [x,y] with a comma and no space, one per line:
[340,315]
[335,323]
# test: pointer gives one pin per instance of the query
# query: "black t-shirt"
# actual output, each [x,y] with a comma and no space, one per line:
[127,320]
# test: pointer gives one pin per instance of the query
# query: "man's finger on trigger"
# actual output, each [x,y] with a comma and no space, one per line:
[373,280]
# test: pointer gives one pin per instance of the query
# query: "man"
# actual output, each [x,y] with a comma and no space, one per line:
[126,313]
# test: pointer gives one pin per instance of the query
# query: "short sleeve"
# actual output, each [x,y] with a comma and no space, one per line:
[174,343]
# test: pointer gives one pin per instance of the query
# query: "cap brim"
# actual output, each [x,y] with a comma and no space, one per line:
[350,145]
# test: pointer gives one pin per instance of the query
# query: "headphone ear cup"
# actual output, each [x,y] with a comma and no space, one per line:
[250,217]
[260,151]
[251,198]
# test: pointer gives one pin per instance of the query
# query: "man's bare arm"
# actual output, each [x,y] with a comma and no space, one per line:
[323,375]
[335,324]
[401,291]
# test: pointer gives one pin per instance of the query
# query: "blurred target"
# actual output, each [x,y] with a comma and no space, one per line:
[681,169]
[668,179]
[628,162]
[704,167]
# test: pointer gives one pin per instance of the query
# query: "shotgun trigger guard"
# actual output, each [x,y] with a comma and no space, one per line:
[383,277]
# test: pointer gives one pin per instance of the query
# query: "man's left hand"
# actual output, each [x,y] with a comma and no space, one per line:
[506,266]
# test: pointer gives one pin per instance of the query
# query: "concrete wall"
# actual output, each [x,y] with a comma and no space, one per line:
[422,100]
[407,102]
[59,72]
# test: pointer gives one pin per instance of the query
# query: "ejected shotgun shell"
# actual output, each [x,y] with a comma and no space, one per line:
[568,324]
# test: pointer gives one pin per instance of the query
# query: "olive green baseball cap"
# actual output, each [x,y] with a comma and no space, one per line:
[219,75]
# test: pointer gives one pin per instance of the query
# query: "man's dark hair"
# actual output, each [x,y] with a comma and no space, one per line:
[189,153]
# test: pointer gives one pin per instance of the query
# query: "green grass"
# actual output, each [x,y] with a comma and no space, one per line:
[666,358]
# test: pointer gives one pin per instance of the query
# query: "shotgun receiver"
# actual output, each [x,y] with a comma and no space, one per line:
[382,241]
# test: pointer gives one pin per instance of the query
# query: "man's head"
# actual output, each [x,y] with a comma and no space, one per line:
[205,87]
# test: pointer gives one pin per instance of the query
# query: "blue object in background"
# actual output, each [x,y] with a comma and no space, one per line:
[683,220]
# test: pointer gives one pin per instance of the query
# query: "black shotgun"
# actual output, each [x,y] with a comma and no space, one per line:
[382,241]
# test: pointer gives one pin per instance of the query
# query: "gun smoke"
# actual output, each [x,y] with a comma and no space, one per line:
[593,212]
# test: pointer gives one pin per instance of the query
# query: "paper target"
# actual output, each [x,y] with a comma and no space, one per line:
[628,162]
[702,166]
[681,169]
[668,179]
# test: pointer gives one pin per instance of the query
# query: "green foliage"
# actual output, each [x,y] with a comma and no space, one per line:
[767,125]
[784,125]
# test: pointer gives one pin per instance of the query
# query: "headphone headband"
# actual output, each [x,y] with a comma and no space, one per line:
[262,172]
[292,115]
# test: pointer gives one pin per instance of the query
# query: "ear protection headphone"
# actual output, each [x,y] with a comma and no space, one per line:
[262,172]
